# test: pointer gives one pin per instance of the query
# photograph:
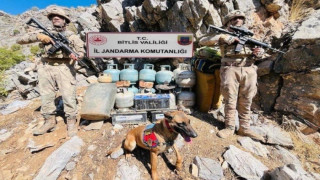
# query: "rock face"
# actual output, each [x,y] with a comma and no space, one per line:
[56,162]
[289,172]
[305,49]
[274,135]
[285,156]
[208,169]
[306,33]
[244,164]
[88,22]
[269,90]
[23,77]
[112,15]
[253,146]
[300,95]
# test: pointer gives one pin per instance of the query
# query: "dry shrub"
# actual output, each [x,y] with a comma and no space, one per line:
[307,153]
[301,8]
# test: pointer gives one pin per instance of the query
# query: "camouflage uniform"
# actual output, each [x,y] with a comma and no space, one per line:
[238,78]
[56,72]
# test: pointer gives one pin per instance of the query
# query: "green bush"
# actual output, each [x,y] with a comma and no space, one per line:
[34,49]
[15,47]
[16,31]
[10,57]
[3,91]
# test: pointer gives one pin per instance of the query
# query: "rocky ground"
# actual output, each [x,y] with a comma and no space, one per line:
[84,157]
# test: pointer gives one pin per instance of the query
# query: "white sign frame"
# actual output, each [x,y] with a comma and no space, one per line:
[139,45]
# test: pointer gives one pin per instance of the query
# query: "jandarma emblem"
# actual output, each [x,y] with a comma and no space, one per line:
[184,39]
[97,40]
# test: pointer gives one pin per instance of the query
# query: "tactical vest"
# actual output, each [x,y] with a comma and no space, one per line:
[229,55]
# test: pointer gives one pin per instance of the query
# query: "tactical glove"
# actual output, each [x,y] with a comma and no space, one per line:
[43,38]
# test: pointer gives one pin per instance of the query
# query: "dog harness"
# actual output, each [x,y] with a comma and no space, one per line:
[150,139]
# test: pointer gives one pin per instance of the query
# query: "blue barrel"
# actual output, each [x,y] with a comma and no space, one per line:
[113,70]
[129,74]
[147,73]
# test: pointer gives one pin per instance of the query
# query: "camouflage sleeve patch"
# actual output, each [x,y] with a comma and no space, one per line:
[77,44]
[28,38]
[209,40]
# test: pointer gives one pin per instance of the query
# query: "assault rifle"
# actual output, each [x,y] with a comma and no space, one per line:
[60,41]
[244,36]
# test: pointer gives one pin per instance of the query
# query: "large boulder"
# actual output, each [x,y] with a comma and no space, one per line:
[212,17]
[136,24]
[305,50]
[300,95]
[226,7]
[209,169]
[277,8]
[112,15]
[274,135]
[177,22]
[269,90]
[88,22]
[244,164]
[284,155]
[194,11]
[57,161]
[290,172]
[247,5]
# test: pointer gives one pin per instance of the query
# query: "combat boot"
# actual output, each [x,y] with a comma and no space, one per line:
[251,134]
[72,127]
[48,126]
[225,133]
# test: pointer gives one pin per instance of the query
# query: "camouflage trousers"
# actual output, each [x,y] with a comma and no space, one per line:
[238,87]
[53,77]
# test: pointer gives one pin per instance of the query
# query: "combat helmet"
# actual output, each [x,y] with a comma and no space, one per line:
[57,11]
[233,14]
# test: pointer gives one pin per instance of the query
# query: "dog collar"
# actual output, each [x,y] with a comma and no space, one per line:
[168,126]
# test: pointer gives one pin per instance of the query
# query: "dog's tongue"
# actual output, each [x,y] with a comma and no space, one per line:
[187,139]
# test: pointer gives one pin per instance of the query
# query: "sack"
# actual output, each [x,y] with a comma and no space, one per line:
[208,53]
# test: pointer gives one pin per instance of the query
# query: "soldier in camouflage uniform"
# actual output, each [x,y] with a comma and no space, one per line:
[238,77]
[56,72]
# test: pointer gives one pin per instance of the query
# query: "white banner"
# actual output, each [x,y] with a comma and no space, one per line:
[144,45]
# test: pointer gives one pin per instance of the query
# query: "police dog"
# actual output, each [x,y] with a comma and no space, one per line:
[160,137]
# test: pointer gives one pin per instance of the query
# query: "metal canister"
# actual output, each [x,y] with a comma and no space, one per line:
[184,76]
[133,89]
[165,75]
[129,74]
[113,70]
[124,99]
[147,73]
[186,98]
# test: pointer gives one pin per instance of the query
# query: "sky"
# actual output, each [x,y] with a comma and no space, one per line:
[15,7]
